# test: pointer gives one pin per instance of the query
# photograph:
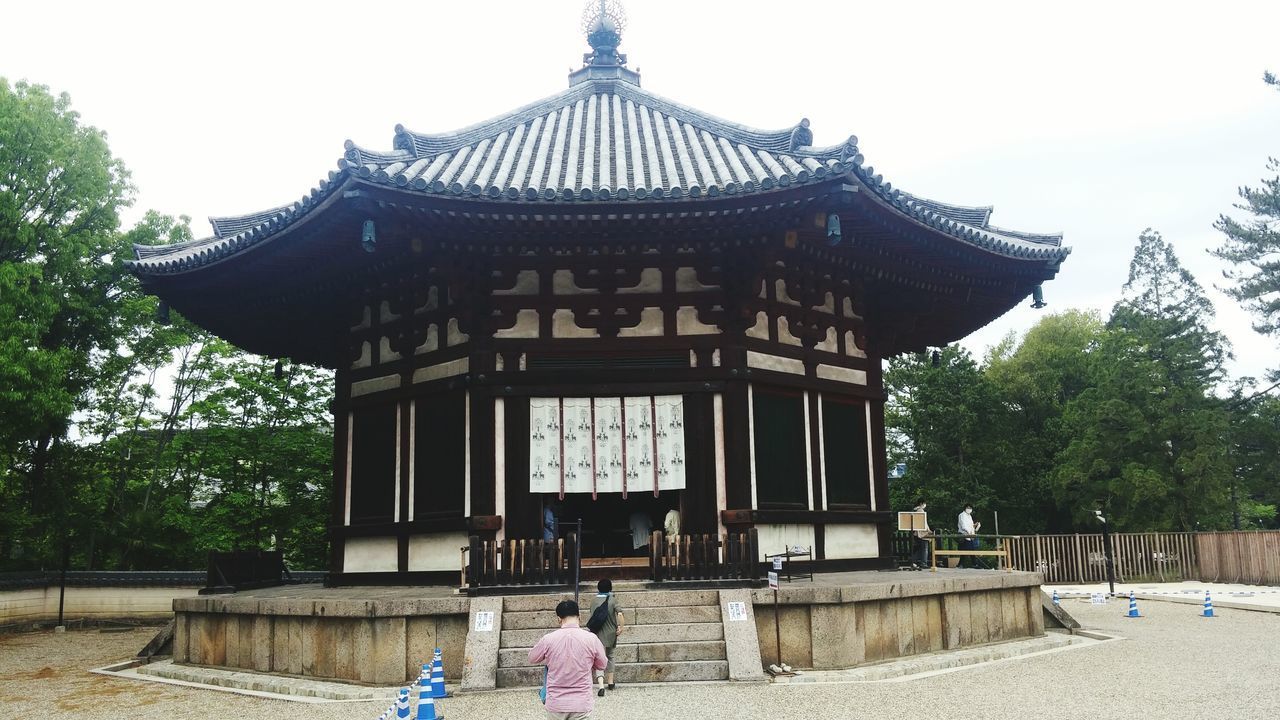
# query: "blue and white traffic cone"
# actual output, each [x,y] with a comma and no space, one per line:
[426,704]
[1055,598]
[1208,605]
[1133,606]
[437,676]
[402,704]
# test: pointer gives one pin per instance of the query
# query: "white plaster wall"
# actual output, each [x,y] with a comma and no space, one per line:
[565,325]
[454,336]
[850,541]
[650,324]
[443,370]
[650,282]
[687,323]
[780,292]
[436,551]
[526,284]
[365,321]
[366,357]
[687,280]
[385,353]
[526,326]
[831,343]
[839,374]
[850,347]
[432,341]
[562,284]
[784,333]
[777,538]
[373,385]
[41,604]
[773,362]
[374,554]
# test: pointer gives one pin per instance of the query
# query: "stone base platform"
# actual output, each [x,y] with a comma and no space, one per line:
[380,636]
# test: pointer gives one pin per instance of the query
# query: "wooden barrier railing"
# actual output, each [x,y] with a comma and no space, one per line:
[1250,557]
[733,556]
[520,562]
[1164,557]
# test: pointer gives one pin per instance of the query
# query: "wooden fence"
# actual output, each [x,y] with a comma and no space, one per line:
[733,556]
[1251,557]
[520,562]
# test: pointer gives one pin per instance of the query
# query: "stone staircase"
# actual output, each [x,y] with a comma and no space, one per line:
[671,635]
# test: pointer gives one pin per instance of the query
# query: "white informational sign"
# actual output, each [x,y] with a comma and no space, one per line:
[484,621]
[1098,598]
[777,563]
[737,611]
[773,580]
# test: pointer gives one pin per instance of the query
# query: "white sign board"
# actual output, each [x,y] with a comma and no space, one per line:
[484,621]
[1098,598]
[777,563]
[737,611]
[773,580]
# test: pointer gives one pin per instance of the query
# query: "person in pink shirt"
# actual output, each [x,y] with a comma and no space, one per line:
[572,656]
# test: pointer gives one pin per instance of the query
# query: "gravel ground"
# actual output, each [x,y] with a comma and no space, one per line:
[1253,595]
[1173,664]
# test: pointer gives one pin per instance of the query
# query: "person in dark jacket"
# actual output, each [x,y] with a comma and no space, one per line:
[609,632]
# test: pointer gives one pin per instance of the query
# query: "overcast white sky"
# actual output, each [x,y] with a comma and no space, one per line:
[1094,119]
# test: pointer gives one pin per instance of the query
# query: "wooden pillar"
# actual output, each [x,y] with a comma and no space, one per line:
[338,501]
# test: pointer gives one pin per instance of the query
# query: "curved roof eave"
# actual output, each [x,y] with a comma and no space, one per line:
[253,230]
[630,145]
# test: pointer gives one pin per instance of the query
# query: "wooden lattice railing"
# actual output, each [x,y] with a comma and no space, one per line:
[732,556]
[488,563]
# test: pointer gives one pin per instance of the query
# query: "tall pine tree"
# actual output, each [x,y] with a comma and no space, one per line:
[1253,246]
[1147,438]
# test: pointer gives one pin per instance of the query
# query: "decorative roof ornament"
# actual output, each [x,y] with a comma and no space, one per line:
[603,22]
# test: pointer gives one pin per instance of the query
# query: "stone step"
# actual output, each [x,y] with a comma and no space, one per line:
[541,619]
[665,633]
[633,652]
[631,599]
[629,673]
[673,671]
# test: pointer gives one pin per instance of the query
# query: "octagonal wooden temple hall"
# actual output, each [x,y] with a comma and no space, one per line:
[611,307]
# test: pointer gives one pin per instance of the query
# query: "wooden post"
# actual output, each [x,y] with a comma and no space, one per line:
[476,562]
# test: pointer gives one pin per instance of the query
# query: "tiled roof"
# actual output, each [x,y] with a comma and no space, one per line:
[602,141]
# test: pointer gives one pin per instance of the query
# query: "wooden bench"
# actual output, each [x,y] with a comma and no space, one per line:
[1001,551]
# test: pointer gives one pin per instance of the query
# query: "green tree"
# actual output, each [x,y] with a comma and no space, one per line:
[1034,380]
[945,422]
[1253,246]
[1255,458]
[61,192]
[1146,439]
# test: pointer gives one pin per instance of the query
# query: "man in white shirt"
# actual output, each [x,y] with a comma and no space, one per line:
[968,529]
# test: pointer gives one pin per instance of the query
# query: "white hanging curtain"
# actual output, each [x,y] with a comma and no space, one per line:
[584,445]
[578,433]
[608,444]
[544,445]
[669,417]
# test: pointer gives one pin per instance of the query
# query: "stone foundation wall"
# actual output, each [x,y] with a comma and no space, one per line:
[328,641]
[822,630]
